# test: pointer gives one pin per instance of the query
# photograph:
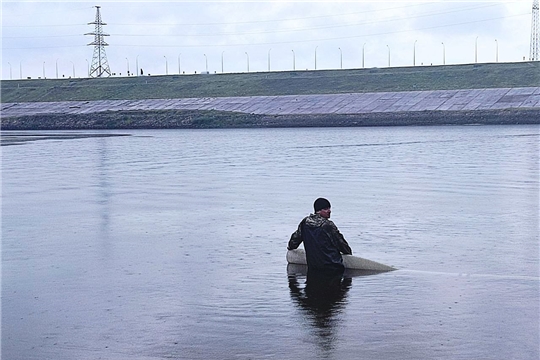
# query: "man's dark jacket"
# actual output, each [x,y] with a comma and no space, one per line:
[323,243]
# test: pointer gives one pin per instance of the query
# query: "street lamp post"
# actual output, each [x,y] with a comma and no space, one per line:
[293,60]
[166,65]
[316,57]
[222,61]
[476,50]
[247,56]
[388,55]
[44,69]
[10,77]
[137,65]
[269,59]
[73,65]
[496,51]
[363,48]
[179,68]
[127,66]
[443,54]
[340,58]
[206,62]
[414,53]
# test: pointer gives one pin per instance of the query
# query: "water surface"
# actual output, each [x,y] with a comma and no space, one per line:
[171,244]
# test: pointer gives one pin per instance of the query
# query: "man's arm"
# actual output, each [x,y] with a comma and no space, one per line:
[338,238]
[296,238]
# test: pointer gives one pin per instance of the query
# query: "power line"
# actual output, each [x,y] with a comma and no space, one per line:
[311,28]
[333,38]
[295,41]
[281,30]
[225,23]
[260,21]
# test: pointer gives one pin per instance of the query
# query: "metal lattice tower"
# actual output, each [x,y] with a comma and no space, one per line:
[100,65]
[535,38]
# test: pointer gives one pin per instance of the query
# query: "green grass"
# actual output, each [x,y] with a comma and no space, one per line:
[450,77]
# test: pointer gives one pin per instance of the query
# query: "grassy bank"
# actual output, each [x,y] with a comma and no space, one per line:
[451,77]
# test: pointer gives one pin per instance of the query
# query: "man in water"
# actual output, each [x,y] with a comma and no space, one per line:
[323,242]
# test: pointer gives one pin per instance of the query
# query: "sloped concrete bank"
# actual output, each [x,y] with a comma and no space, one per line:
[207,119]
[437,107]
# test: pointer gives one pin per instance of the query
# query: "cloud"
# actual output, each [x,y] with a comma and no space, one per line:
[159,34]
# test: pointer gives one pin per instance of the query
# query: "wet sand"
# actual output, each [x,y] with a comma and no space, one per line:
[19,138]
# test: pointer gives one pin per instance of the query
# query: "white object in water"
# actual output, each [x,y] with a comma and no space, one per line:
[298,256]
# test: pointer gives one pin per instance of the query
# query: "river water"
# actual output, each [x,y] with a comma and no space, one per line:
[171,244]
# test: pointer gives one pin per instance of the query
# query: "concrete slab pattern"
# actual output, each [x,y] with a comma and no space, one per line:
[207,104]
[91,108]
[522,91]
[432,101]
[496,95]
[354,104]
[456,101]
[486,98]
[246,106]
[299,106]
[304,104]
[312,103]
[370,102]
[348,100]
[284,105]
[266,105]
[329,105]
[403,103]
[74,107]
[288,109]
[418,98]
[339,104]
[257,103]
[456,104]
[513,100]
[475,100]
[532,101]
[384,104]
[142,105]
[168,104]
[275,107]
[145,105]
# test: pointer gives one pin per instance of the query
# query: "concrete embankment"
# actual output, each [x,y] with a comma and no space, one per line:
[314,98]
[441,107]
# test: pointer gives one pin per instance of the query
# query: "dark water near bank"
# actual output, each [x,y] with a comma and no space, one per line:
[171,244]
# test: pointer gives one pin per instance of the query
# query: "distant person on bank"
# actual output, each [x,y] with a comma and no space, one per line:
[322,240]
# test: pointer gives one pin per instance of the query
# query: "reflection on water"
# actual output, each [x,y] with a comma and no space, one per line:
[322,297]
[322,300]
[103,188]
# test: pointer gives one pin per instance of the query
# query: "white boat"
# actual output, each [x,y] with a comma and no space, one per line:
[298,256]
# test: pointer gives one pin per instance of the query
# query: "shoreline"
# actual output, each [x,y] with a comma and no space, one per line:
[213,119]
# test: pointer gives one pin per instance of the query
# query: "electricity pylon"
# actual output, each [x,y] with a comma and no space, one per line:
[535,38]
[100,65]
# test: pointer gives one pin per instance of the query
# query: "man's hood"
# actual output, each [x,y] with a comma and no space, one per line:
[315,220]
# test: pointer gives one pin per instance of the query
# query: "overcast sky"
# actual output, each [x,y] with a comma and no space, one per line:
[39,36]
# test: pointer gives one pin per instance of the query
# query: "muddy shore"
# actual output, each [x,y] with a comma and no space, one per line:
[196,119]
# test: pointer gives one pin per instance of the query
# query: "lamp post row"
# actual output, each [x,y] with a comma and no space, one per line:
[269,68]
[341,57]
